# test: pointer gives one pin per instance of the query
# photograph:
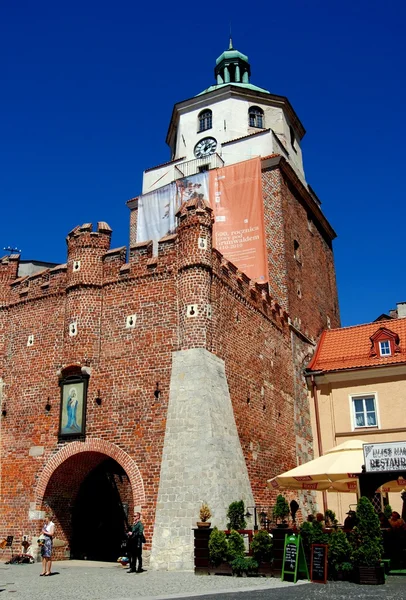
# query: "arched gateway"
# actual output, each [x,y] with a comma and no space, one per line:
[91,487]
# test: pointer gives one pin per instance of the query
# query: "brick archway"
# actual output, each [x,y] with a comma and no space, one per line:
[93,445]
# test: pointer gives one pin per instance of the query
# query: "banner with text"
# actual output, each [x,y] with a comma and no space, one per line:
[239,231]
[235,195]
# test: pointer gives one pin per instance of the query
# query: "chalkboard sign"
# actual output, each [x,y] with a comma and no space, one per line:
[294,562]
[290,557]
[318,567]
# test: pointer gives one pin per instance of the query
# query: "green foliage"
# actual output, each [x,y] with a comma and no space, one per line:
[366,538]
[312,533]
[236,515]
[387,511]
[339,553]
[261,546]
[218,547]
[236,545]
[330,517]
[242,565]
[281,508]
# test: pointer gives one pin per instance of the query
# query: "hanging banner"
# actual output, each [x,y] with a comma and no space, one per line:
[235,195]
[239,232]
[156,213]
[194,187]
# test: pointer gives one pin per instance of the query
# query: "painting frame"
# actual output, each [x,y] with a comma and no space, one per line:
[72,415]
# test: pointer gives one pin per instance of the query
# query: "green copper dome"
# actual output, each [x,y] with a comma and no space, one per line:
[232,67]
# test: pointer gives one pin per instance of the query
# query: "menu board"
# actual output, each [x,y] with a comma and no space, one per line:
[318,567]
[290,557]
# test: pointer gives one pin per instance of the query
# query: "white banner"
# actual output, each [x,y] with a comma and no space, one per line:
[157,209]
[386,456]
[156,213]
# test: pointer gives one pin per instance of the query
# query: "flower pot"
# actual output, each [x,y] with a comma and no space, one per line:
[371,575]
[203,524]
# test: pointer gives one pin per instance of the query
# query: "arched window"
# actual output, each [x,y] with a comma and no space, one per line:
[205,120]
[256,117]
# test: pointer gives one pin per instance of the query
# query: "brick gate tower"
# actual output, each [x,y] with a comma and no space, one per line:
[168,375]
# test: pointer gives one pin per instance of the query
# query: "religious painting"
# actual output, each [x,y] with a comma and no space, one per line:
[72,420]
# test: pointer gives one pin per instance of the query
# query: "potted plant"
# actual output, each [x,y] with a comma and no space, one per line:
[367,546]
[236,515]
[330,518]
[236,547]
[205,515]
[244,566]
[218,547]
[281,511]
[339,555]
[261,548]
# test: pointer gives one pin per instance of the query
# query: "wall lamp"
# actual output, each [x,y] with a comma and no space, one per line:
[48,405]
[98,399]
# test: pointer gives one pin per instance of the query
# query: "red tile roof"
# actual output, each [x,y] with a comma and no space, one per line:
[350,347]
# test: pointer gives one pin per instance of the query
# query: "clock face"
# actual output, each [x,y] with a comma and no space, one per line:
[205,147]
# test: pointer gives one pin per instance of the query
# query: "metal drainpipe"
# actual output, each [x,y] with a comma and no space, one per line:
[319,444]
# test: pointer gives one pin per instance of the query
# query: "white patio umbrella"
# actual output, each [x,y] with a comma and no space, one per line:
[335,471]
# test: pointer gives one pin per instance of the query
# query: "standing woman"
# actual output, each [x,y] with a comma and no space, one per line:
[48,532]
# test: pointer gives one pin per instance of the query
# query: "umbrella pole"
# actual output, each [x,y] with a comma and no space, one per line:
[319,444]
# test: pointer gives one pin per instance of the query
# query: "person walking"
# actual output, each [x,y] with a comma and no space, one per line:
[48,532]
[135,540]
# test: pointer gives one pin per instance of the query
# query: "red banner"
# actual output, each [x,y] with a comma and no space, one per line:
[239,232]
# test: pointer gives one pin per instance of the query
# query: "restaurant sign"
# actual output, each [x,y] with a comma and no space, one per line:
[386,456]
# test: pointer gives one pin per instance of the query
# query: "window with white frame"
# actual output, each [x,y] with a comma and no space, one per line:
[384,348]
[364,411]
[256,117]
[205,120]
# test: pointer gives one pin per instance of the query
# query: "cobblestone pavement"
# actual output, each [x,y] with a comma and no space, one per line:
[88,580]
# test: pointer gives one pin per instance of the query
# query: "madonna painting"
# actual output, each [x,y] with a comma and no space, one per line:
[73,407]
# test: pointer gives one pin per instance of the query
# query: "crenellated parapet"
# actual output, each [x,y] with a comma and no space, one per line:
[40,284]
[251,292]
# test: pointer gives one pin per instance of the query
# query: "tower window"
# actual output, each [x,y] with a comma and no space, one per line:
[296,251]
[256,117]
[205,120]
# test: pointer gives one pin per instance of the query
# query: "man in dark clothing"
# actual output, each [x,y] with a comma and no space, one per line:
[135,541]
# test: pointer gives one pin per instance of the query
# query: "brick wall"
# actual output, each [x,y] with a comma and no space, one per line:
[247,327]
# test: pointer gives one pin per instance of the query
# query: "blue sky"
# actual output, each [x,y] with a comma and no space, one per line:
[87,90]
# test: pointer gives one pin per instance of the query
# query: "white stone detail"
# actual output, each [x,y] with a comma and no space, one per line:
[202,458]
[202,243]
[130,321]
[73,329]
[36,451]
[76,265]
[208,311]
[30,341]
[192,310]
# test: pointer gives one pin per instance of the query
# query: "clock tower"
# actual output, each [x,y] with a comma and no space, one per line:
[229,122]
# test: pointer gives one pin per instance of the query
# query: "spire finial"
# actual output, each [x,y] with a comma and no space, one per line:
[230,47]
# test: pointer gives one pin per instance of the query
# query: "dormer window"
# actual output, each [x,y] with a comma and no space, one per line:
[205,120]
[256,117]
[384,348]
[384,342]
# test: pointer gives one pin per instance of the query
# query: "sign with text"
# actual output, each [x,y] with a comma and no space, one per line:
[239,230]
[386,456]
[318,565]
[294,561]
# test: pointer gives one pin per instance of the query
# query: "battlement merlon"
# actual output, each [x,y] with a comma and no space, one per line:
[8,274]
[83,236]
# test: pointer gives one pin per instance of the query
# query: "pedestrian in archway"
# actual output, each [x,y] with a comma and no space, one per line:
[47,534]
[135,540]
